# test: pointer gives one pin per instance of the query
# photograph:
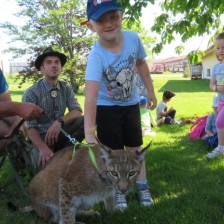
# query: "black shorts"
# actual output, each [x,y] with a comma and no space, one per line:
[119,126]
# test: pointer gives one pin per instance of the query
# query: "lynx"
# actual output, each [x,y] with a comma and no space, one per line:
[72,182]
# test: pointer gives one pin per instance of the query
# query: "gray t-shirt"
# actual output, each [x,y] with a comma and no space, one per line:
[162,107]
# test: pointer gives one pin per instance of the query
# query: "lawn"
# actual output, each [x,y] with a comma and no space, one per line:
[186,187]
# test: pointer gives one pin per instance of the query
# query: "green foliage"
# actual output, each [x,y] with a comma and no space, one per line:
[52,23]
[195,57]
[57,23]
[133,9]
[188,18]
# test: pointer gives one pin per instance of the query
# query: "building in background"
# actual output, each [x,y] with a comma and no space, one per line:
[174,64]
[208,61]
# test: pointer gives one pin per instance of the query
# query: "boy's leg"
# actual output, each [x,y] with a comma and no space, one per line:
[160,121]
[172,114]
[109,133]
[168,120]
[133,141]
[143,188]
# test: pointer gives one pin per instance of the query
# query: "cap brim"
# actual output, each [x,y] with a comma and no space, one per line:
[84,23]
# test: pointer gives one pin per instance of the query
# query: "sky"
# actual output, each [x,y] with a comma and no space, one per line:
[9,7]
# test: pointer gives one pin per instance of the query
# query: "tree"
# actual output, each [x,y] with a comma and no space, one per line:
[53,23]
[57,23]
[186,18]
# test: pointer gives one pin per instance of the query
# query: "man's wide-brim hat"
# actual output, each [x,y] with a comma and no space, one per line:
[50,52]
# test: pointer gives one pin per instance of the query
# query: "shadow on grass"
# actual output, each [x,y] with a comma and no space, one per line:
[186,86]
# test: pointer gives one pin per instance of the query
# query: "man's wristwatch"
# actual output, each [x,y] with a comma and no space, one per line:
[60,120]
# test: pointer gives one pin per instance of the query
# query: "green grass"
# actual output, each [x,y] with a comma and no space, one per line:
[186,187]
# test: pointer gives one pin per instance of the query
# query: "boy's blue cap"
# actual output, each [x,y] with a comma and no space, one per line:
[96,8]
[143,100]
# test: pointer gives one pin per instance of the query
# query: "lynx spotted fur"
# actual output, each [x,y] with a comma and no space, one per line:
[71,184]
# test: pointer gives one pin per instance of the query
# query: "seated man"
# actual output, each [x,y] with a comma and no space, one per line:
[53,96]
[9,110]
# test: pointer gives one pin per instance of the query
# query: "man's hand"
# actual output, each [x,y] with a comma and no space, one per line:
[52,133]
[44,155]
[29,111]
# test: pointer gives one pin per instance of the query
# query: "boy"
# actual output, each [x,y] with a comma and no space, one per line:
[147,118]
[111,97]
[162,111]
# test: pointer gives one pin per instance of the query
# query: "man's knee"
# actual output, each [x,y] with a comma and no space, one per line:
[34,154]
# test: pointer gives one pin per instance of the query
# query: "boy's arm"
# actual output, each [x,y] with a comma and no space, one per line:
[147,80]
[91,94]
[214,87]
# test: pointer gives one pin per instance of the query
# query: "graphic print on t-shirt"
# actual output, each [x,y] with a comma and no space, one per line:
[120,79]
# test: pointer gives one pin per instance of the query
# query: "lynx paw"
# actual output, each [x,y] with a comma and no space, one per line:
[118,209]
[91,213]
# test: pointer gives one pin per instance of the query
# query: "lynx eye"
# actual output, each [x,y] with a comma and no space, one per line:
[132,173]
[114,173]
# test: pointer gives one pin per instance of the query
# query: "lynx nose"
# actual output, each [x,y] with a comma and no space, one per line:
[124,186]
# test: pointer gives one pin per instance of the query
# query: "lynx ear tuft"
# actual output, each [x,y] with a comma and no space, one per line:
[141,152]
[105,152]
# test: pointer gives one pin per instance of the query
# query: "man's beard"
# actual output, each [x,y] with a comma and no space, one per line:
[53,77]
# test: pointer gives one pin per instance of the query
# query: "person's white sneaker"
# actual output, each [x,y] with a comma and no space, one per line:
[148,132]
[120,201]
[218,151]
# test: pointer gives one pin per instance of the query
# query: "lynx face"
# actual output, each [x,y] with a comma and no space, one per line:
[123,168]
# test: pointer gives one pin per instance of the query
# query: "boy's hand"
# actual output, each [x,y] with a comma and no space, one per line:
[152,102]
[91,139]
